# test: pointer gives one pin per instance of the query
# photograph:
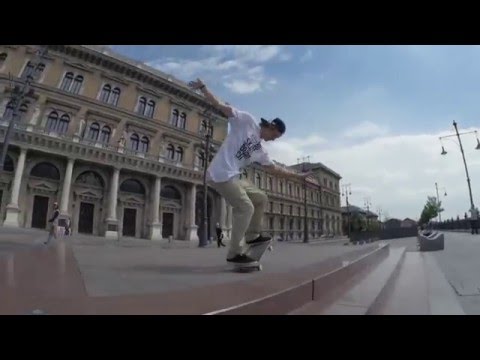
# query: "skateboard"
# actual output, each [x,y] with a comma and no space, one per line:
[255,251]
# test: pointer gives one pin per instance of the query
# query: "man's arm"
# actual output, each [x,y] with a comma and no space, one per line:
[55,215]
[199,85]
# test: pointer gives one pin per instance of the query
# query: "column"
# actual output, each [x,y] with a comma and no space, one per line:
[156,225]
[67,183]
[13,210]
[191,227]
[112,222]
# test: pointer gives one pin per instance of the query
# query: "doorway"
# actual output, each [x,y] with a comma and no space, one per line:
[40,211]
[167,225]
[85,218]
[129,222]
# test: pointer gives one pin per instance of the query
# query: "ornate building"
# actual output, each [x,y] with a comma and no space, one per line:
[119,146]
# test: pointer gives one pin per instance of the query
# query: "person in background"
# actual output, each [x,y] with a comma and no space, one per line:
[53,223]
[219,235]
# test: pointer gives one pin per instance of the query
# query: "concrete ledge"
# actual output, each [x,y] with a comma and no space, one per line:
[319,287]
[356,289]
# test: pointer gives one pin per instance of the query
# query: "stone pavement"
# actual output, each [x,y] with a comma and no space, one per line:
[461,266]
[82,274]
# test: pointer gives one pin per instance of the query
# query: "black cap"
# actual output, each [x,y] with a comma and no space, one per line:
[277,122]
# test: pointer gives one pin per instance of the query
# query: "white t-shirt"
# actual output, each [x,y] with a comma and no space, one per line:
[241,147]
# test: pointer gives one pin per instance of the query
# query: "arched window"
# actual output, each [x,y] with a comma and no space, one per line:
[132,186]
[142,103]
[150,109]
[105,137]
[115,96]
[183,120]
[94,131]
[63,124]
[45,170]
[175,117]
[107,89]
[67,81]
[52,121]
[169,192]
[90,178]
[3,57]
[179,154]
[170,152]
[134,142]
[144,144]
[28,71]
[77,84]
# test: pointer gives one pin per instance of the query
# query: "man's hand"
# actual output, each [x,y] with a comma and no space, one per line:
[196,84]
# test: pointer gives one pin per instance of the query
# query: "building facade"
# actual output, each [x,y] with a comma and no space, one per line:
[120,147]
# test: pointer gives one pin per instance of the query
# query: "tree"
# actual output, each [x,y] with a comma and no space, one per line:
[430,210]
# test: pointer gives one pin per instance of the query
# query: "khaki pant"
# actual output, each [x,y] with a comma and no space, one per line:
[248,203]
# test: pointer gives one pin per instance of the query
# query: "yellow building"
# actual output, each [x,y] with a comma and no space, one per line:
[119,145]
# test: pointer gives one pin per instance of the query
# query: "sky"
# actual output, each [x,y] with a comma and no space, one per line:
[373,114]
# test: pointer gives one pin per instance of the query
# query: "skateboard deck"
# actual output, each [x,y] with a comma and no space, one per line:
[255,251]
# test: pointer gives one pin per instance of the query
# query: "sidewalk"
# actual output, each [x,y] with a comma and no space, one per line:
[78,269]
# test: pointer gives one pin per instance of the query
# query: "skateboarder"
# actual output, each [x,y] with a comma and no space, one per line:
[243,146]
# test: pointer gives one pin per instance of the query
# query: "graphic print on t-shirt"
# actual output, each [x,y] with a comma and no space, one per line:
[248,147]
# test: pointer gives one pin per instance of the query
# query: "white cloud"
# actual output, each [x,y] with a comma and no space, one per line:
[307,56]
[243,86]
[365,129]
[241,67]
[396,172]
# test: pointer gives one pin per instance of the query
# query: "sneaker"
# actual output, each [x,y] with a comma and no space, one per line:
[259,239]
[241,259]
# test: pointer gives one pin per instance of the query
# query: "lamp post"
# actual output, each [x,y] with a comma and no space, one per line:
[438,202]
[367,204]
[347,190]
[17,99]
[305,221]
[379,211]
[457,134]
[208,148]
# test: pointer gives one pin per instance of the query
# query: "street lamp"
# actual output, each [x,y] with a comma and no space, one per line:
[457,134]
[17,99]
[208,149]
[305,221]
[367,204]
[438,201]
[347,190]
